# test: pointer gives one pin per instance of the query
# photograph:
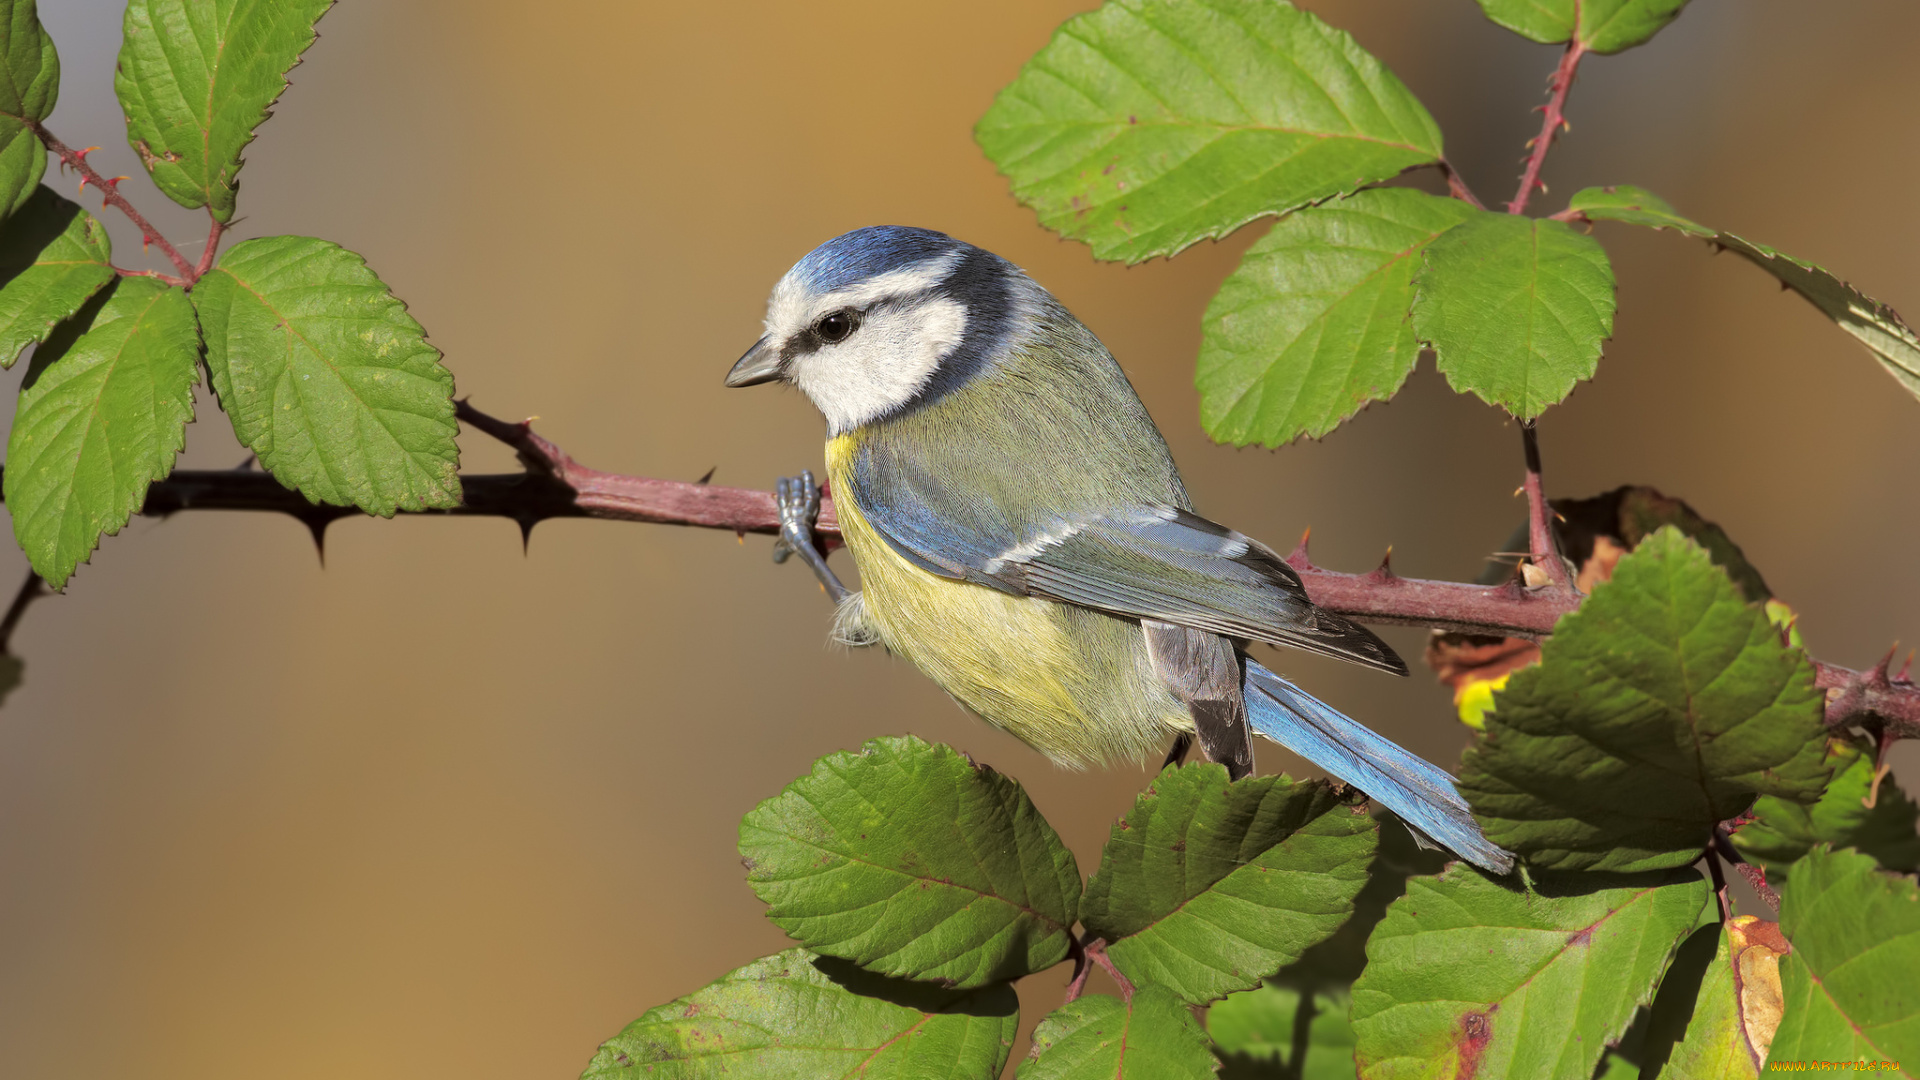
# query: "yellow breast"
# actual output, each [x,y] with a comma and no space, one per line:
[1072,683]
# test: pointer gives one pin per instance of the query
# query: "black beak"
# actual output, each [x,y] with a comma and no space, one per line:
[760,364]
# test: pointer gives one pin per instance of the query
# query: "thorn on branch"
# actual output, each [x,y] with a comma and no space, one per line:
[1885,707]
[1383,574]
[317,525]
[1878,677]
[1299,559]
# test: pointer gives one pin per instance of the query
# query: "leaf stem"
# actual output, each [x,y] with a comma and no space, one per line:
[1543,542]
[1551,124]
[207,254]
[1720,885]
[154,274]
[1082,967]
[30,590]
[110,193]
[1457,185]
[1096,951]
[1723,849]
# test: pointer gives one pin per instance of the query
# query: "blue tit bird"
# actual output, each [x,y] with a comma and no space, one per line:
[1023,536]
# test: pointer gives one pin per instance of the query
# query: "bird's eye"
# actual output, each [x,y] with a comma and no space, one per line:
[834,327]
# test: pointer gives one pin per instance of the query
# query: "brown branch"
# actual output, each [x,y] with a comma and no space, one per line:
[577,491]
[554,485]
[110,191]
[1551,124]
[1885,704]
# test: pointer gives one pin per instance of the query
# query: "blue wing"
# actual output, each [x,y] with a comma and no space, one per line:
[1422,794]
[1173,566]
[1161,563]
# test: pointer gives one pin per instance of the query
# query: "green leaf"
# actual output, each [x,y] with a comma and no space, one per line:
[1634,206]
[28,89]
[1662,706]
[1473,977]
[103,413]
[1313,325]
[1872,323]
[53,257]
[1605,26]
[1207,886]
[1257,1026]
[1715,1045]
[1152,1037]
[794,1014]
[327,378]
[910,860]
[1147,125]
[1869,321]
[1515,309]
[196,77]
[1253,1028]
[1849,983]
[1337,961]
[1649,1041]
[1783,831]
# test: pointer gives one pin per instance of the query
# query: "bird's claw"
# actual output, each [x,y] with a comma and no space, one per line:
[797,498]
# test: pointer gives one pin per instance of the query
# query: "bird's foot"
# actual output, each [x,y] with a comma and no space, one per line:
[797,498]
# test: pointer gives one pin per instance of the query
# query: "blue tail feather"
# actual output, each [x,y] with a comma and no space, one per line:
[1422,794]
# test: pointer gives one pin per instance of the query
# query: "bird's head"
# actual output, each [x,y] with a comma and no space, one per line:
[880,318]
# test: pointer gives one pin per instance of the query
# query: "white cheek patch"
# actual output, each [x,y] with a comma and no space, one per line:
[883,365]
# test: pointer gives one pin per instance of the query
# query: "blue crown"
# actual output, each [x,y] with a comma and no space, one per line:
[866,253]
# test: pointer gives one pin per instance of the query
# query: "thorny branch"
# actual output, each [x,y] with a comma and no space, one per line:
[554,485]
[110,192]
[1552,123]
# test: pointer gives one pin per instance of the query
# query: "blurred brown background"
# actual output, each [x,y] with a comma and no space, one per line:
[444,809]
